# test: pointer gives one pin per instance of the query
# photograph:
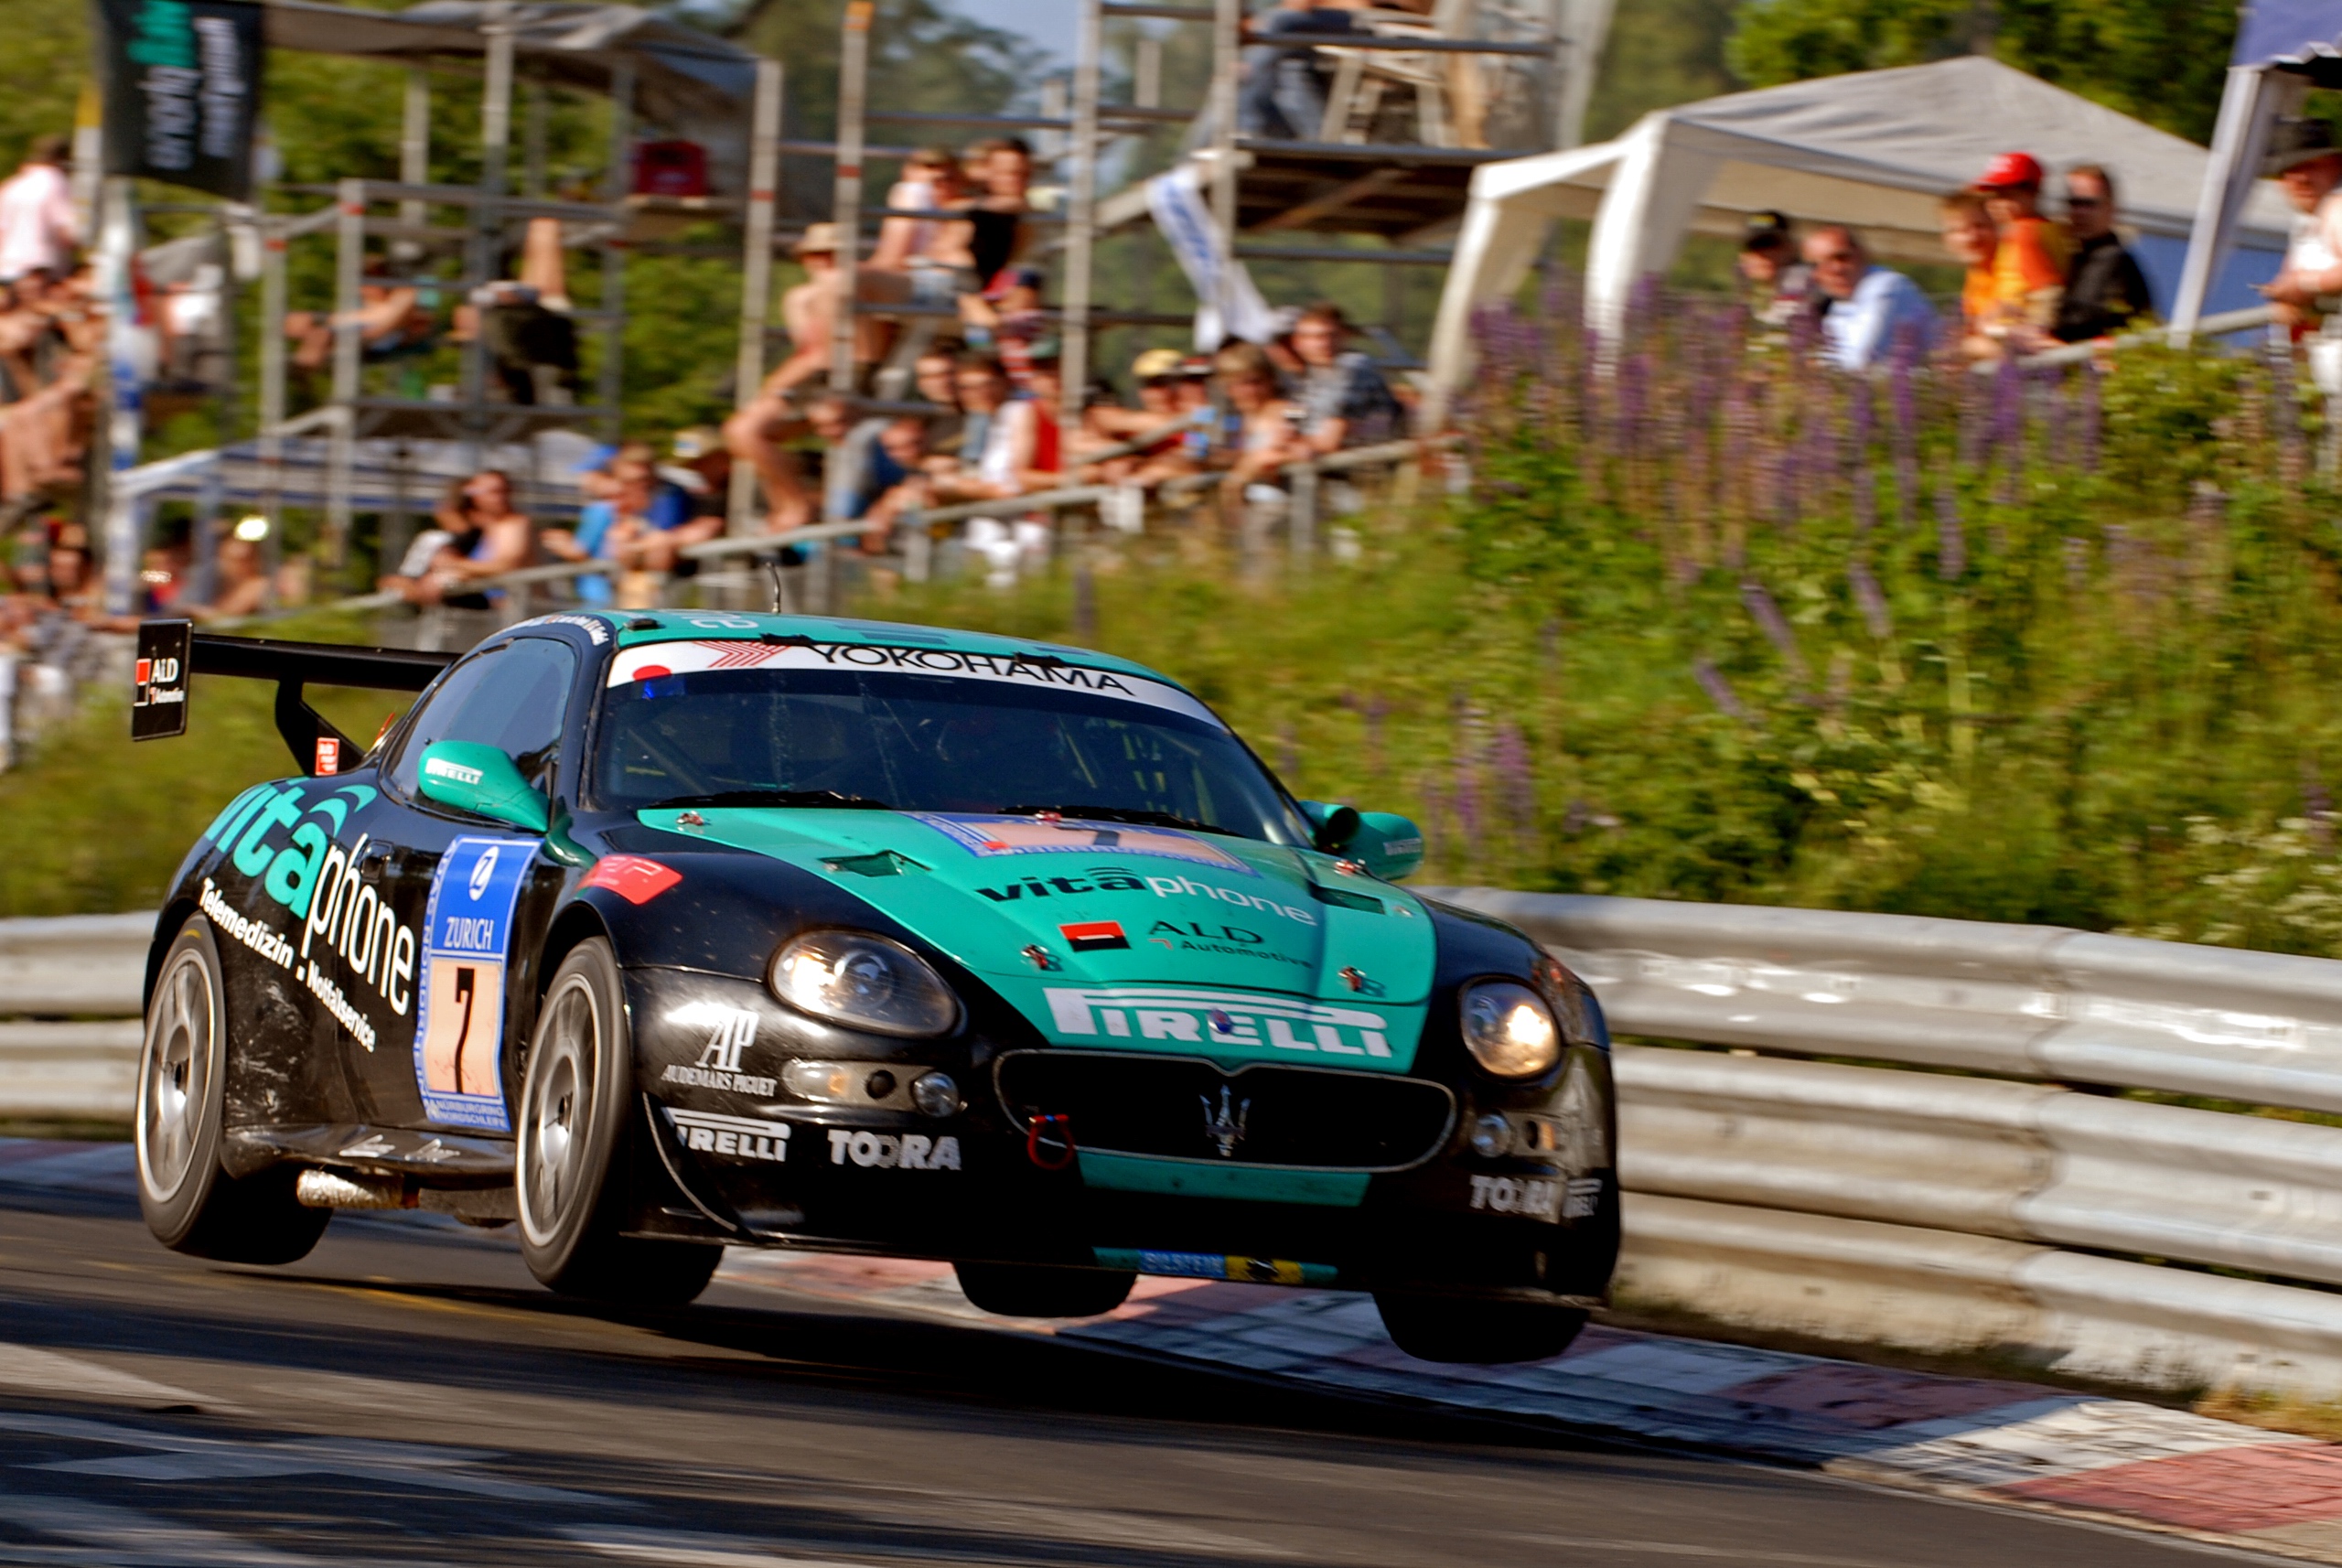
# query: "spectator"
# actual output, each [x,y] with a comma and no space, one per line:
[2303,159]
[392,320]
[936,273]
[759,432]
[933,373]
[899,461]
[38,228]
[1344,400]
[1283,95]
[994,234]
[1044,464]
[505,540]
[2029,255]
[1872,312]
[240,582]
[1969,234]
[1271,428]
[1157,374]
[661,514]
[1009,431]
[1779,285]
[2105,291]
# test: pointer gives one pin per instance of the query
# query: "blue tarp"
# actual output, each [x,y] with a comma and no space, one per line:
[2288,32]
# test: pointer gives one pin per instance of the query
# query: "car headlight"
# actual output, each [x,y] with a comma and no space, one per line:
[867,982]
[1509,1030]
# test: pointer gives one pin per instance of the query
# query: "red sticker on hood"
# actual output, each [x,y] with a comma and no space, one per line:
[631,877]
[1093,936]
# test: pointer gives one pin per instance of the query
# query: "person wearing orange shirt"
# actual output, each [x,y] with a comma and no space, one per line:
[2029,258]
[1970,235]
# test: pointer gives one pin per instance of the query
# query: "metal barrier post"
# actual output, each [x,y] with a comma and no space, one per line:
[609,380]
[755,273]
[349,260]
[1301,521]
[1081,218]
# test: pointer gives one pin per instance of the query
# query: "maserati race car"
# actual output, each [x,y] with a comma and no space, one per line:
[661,933]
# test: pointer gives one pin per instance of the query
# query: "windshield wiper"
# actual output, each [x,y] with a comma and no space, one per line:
[831,798]
[1120,814]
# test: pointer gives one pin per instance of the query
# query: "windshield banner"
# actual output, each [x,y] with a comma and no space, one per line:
[651,662]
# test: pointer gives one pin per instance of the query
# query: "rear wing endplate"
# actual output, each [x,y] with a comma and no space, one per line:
[170,650]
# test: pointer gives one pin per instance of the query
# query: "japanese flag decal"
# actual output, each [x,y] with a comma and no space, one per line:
[467,951]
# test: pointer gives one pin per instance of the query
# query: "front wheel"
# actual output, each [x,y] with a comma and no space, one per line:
[191,1205]
[1040,1290]
[575,1095]
[1450,1329]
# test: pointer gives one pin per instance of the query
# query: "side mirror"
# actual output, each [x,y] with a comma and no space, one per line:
[1388,846]
[1331,827]
[482,780]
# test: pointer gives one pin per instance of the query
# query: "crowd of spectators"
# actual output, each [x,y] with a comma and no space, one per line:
[2033,282]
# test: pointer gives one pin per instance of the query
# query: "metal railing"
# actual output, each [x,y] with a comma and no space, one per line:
[2069,1227]
[912,530]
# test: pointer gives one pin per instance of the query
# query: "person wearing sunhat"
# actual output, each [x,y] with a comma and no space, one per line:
[756,434]
[1779,285]
[2030,256]
[1157,375]
[2303,159]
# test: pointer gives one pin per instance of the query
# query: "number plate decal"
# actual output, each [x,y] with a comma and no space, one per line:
[459,1029]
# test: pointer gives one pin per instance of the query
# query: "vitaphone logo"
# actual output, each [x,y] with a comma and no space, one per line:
[351,916]
[1113,880]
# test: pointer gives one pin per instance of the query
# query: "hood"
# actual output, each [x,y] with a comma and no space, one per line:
[1158,939]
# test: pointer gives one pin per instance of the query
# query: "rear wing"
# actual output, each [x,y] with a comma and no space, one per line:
[170,650]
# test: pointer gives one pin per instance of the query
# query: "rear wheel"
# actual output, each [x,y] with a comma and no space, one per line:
[191,1204]
[1450,1329]
[575,1100]
[1039,1290]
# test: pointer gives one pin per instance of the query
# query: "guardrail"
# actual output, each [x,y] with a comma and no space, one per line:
[69,1030]
[2062,1226]
[2014,1214]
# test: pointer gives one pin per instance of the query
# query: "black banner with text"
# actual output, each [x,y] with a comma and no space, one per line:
[182,90]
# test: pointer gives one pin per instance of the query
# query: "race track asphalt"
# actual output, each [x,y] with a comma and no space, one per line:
[407,1395]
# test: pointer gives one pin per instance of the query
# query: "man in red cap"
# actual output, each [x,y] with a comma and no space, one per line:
[2029,259]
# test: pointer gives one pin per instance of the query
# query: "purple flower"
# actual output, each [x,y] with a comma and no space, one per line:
[1719,690]
[1869,599]
[2093,417]
[1516,779]
[1758,600]
[1952,540]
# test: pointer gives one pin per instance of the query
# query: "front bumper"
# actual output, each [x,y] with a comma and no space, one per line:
[731,1154]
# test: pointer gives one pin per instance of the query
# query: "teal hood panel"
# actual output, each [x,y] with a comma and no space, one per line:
[1160,941]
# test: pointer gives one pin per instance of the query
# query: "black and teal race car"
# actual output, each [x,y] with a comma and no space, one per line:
[659,933]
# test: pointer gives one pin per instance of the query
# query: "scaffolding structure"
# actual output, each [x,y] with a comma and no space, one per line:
[1484,79]
[1416,102]
[411,218]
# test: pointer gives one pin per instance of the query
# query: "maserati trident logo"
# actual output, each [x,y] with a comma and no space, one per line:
[1225,1127]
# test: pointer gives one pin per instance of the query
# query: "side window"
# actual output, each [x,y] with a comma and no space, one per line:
[512,697]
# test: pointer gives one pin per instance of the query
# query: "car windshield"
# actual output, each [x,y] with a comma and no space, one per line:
[921,743]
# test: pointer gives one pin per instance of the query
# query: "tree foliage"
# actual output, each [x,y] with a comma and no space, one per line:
[2163,61]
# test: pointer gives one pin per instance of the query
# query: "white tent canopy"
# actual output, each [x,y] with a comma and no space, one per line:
[1876,150]
[2283,48]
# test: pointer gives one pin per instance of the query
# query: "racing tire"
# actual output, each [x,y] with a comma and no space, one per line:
[1487,1333]
[576,1099]
[1042,1290]
[190,1203]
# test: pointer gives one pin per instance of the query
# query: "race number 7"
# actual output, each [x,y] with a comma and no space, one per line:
[461,992]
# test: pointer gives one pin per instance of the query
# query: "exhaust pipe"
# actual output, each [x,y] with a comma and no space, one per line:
[332,1189]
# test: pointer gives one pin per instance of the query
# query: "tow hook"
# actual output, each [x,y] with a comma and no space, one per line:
[1062,1128]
